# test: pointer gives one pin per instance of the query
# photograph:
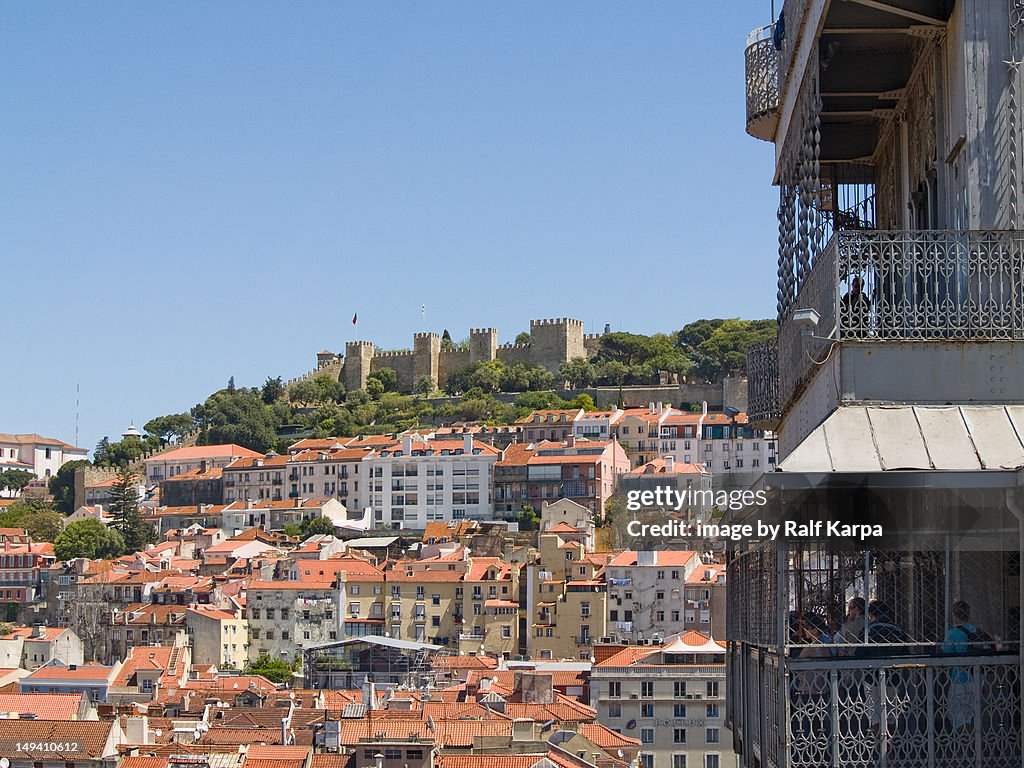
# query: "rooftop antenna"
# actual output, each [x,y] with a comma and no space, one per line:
[423,314]
[78,393]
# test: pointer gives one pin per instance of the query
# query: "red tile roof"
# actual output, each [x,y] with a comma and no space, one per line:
[91,737]
[83,673]
[45,706]
[663,557]
[196,452]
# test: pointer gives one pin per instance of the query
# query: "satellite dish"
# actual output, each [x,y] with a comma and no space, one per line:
[5,763]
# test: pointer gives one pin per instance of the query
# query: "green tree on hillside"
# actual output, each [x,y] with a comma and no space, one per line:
[126,515]
[168,428]
[240,417]
[273,390]
[15,479]
[88,538]
[386,376]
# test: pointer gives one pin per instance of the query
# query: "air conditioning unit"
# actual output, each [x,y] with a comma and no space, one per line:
[634,696]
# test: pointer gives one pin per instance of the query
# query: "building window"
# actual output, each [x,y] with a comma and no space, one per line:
[711,761]
[615,690]
[679,689]
[678,761]
[646,710]
[647,689]
[712,736]
[712,689]
[712,710]
[679,710]
[646,761]
[646,735]
[678,735]
[615,710]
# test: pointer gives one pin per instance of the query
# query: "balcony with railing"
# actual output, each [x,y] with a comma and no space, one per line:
[881,287]
[762,76]
[763,406]
[924,711]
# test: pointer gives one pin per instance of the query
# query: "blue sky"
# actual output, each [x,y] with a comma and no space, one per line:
[196,191]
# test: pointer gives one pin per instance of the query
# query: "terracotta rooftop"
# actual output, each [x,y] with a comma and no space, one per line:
[45,706]
[90,736]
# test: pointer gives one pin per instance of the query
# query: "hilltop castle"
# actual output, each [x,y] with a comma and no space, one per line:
[552,342]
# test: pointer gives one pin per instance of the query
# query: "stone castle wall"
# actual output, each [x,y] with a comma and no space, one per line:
[552,342]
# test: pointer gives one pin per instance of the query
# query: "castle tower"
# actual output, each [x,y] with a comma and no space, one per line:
[556,341]
[426,349]
[483,344]
[358,355]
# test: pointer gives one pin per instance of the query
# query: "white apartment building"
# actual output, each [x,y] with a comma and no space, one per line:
[419,481]
[273,515]
[671,696]
[42,456]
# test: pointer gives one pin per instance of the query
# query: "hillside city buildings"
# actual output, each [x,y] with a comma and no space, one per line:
[424,602]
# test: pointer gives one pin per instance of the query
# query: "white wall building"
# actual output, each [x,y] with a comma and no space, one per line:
[420,481]
[42,456]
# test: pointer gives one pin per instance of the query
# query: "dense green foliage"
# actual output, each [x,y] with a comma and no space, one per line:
[35,517]
[275,670]
[15,479]
[88,538]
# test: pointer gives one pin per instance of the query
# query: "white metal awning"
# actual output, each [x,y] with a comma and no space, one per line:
[956,438]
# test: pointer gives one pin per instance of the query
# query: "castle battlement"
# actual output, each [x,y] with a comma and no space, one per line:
[567,322]
[553,341]
[393,353]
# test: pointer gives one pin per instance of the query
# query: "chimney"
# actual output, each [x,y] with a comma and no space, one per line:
[570,441]
[646,558]
[136,730]
[38,630]
[670,464]
[467,444]
[661,408]
[650,407]
[406,444]
[522,729]
[203,466]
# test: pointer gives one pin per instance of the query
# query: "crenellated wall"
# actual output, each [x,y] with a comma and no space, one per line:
[403,362]
[552,342]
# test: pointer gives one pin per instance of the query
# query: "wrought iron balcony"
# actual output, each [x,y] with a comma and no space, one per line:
[928,285]
[763,406]
[762,75]
[910,712]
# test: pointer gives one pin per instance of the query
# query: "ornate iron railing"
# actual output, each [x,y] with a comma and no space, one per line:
[762,75]
[929,285]
[763,406]
[906,712]
[900,711]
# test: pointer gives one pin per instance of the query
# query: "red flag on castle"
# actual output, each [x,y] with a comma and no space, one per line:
[354,318]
